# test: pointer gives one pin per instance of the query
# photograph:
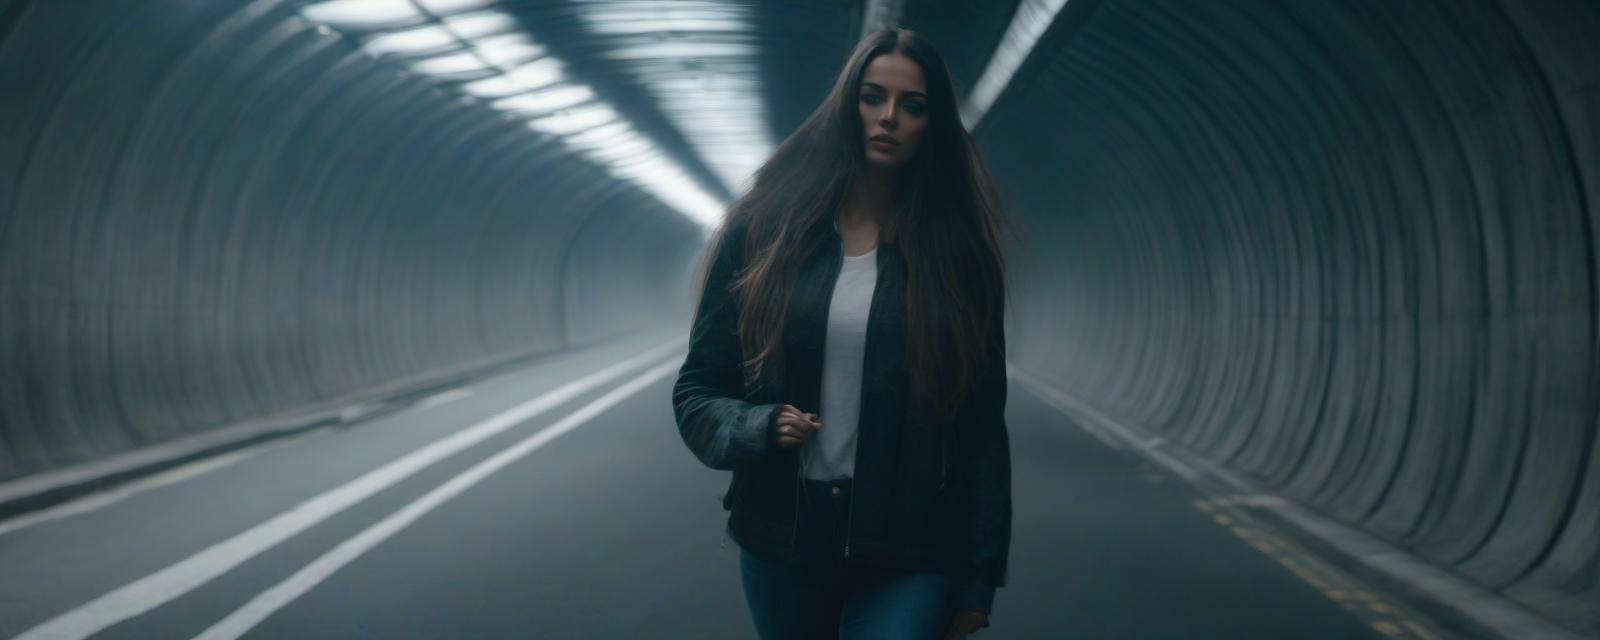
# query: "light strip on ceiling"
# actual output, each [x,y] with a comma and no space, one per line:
[486,52]
[1029,23]
[412,41]
[698,59]
[363,14]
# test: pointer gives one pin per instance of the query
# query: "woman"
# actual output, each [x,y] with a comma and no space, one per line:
[847,363]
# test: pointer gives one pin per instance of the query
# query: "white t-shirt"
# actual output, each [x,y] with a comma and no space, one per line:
[830,452]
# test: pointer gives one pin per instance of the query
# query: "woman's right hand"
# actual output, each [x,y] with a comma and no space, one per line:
[794,425]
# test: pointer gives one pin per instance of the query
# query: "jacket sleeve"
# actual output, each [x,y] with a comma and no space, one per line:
[722,429]
[986,528]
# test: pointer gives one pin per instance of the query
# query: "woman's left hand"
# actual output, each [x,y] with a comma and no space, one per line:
[966,622]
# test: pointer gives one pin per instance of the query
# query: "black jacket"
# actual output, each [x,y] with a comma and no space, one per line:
[929,493]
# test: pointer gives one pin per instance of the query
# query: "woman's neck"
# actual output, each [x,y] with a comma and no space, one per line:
[872,194]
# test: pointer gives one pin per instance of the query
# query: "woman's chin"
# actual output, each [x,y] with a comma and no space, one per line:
[878,161]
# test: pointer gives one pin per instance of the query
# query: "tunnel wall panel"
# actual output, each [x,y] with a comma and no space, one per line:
[1347,249]
[215,213]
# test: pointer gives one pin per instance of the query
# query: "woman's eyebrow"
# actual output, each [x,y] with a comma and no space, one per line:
[906,93]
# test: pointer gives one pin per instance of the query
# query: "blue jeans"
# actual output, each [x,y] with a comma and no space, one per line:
[825,596]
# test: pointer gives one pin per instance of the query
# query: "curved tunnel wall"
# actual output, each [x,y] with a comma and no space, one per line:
[1346,248]
[213,212]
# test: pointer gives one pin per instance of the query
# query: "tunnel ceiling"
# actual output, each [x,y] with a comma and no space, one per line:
[1346,249]
[683,97]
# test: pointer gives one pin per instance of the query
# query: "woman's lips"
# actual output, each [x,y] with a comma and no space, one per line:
[883,145]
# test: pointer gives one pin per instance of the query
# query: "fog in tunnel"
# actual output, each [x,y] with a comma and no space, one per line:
[1343,251]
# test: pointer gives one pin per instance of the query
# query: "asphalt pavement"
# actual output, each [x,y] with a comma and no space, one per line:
[558,501]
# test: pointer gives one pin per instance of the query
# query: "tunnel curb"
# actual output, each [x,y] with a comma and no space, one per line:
[1449,600]
[34,492]
[1452,602]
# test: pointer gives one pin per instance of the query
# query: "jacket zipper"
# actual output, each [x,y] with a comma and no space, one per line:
[799,474]
[850,509]
[855,486]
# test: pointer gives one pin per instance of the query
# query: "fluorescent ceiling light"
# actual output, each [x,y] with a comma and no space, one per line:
[600,136]
[478,25]
[1029,23]
[495,87]
[670,185]
[440,7]
[572,121]
[538,73]
[636,26]
[642,164]
[546,100]
[699,59]
[449,64]
[411,41]
[660,11]
[656,172]
[527,83]
[362,13]
[683,49]
[618,152]
[507,50]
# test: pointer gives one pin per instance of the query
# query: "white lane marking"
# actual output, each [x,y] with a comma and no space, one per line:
[167,584]
[1227,477]
[441,398]
[122,492]
[1173,465]
[1056,399]
[280,595]
[1086,415]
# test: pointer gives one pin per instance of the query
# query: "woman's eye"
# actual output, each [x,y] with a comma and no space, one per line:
[872,99]
[915,108]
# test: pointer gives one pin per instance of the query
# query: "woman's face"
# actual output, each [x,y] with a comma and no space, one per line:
[894,109]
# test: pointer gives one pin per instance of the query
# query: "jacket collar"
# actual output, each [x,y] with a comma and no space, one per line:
[835,245]
[808,312]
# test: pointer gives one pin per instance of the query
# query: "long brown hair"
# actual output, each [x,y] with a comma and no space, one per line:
[945,226]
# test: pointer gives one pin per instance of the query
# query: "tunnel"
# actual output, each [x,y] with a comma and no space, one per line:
[296,297]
